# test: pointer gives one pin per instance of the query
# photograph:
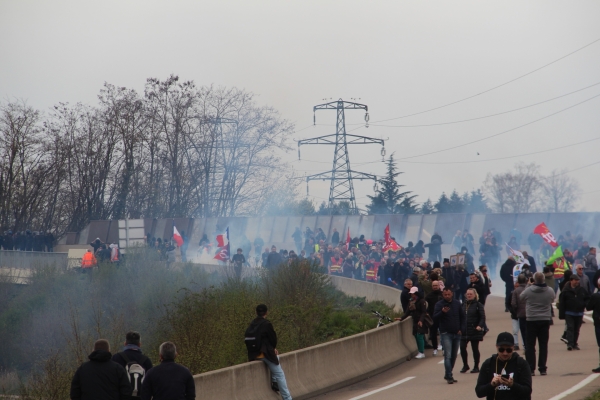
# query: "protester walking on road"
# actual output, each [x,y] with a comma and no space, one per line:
[572,302]
[506,274]
[505,375]
[518,308]
[100,378]
[594,305]
[168,380]
[417,309]
[432,299]
[448,313]
[538,299]
[475,327]
[261,343]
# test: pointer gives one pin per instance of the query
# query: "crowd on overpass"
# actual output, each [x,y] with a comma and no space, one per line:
[27,240]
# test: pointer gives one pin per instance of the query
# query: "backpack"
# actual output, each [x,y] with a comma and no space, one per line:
[253,337]
[135,373]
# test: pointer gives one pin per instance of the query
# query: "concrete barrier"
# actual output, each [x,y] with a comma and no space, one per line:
[325,367]
[371,291]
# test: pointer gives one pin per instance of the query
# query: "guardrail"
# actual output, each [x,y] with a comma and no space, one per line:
[325,367]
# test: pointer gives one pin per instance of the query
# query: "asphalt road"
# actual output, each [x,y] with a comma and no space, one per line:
[567,370]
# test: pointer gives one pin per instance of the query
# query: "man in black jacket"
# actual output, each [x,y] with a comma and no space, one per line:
[506,274]
[168,380]
[505,375]
[268,350]
[572,302]
[132,352]
[274,259]
[432,299]
[100,378]
[449,274]
[448,313]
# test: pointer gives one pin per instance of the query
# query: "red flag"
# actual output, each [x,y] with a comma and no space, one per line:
[223,244]
[176,236]
[390,244]
[348,239]
[545,233]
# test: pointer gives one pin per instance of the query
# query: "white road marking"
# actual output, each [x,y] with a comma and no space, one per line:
[576,387]
[362,396]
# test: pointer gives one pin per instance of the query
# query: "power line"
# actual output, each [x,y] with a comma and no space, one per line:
[493,88]
[500,133]
[487,116]
[504,158]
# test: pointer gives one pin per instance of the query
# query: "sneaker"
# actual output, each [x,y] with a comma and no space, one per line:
[543,373]
[420,355]
[275,387]
[439,347]
[564,339]
[475,370]
[517,347]
[435,352]
[464,369]
[454,380]
[450,381]
[596,370]
[569,348]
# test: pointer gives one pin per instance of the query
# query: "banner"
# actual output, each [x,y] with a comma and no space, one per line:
[558,253]
[223,246]
[545,233]
[518,256]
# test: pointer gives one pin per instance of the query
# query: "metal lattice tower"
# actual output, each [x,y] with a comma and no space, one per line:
[341,176]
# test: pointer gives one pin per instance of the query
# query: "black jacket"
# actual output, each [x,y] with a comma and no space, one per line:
[417,310]
[521,374]
[274,260]
[268,341]
[405,298]
[572,299]
[474,317]
[451,321]
[169,381]
[449,275]
[594,305]
[432,299]
[101,379]
[481,289]
[133,354]
[506,273]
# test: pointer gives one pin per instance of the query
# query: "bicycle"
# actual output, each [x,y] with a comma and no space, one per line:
[381,318]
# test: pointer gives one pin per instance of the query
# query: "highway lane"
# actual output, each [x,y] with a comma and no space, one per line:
[424,377]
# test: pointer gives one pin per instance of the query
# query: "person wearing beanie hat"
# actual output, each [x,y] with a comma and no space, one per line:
[505,375]
[594,305]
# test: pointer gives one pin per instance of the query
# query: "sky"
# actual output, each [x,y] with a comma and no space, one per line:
[398,57]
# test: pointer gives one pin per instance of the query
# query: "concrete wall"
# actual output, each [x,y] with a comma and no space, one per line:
[319,369]
[372,291]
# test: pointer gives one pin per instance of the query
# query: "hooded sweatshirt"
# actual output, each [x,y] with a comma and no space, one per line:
[516,367]
[539,299]
[101,379]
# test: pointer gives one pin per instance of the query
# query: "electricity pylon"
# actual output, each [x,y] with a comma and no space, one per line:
[341,176]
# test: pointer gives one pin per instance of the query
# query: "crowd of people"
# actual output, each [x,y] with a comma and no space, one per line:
[27,240]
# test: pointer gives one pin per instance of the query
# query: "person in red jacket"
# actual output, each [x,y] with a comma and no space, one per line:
[89,260]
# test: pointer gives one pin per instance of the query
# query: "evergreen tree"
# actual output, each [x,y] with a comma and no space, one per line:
[408,206]
[456,203]
[427,207]
[477,203]
[443,204]
[388,197]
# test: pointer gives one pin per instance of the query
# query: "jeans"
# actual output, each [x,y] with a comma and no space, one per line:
[573,326]
[420,342]
[515,331]
[557,282]
[278,376]
[523,329]
[451,344]
[540,331]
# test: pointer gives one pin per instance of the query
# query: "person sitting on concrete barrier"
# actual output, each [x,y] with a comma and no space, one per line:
[261,343]
[505,375]
[168,380]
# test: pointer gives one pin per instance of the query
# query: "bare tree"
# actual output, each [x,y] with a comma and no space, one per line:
[560,192]
[518,191]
